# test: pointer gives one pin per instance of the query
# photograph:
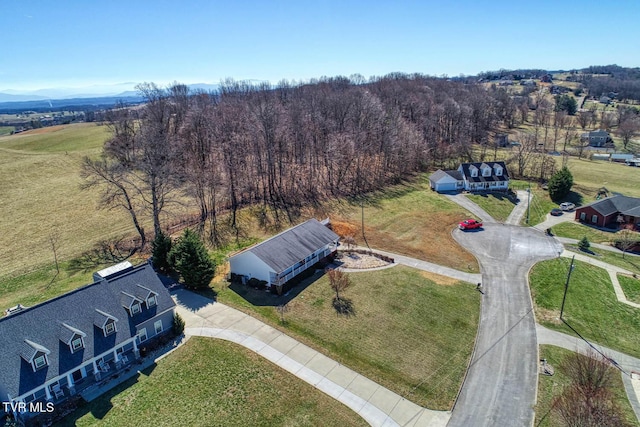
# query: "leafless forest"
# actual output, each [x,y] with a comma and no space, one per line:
[281,148]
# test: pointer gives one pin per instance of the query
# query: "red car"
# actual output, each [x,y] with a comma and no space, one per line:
[469,224]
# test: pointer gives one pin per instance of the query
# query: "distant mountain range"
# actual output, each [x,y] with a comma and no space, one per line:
[122,90]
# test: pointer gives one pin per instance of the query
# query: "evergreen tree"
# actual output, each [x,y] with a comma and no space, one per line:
[161,246]
[566,103]
[560,184]
[584,244]
[189,257]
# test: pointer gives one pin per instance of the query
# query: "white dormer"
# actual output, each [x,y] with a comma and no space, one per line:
[131,303]
[147,295]
[72,337]
[35,354]
[473,171]
[106,322]
[486,169]
[498,169]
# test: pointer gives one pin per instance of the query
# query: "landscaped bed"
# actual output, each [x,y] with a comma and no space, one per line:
[211,382]
[411,331]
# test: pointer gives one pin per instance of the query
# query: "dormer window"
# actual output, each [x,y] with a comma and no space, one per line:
[35,354]
[486,170]
[109,328]
[72,337]
[39,362]
[473,170]
[106,322]
[498,171]
[151,301]
[77,344]
[147,295]
[135,309]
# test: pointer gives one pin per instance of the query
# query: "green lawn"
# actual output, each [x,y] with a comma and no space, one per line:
[591,306]
[78,137]
[209,382]
[497,205]
[412,332]
[631,287]
[589,176]
[550,387]
[574,230]
[6,130]
[629,262]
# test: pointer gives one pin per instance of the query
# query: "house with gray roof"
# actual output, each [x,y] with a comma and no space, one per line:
[597,138]
[58,348]
[611,212]
[284,256]
[481,176]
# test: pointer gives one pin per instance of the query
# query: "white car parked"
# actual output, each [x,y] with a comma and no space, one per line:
[566,206]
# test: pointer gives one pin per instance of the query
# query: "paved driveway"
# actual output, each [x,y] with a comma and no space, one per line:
[500,388]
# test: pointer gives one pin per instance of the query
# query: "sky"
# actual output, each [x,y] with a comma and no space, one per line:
[95,44]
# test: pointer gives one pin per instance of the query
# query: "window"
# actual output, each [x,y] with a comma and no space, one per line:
[109,328]
[498,171]
[76,344]
[158,326]
[583,216]
[135,308]
[151,301]
[474,172]
[486,172]
[142,334]
[40,361]
[594,219]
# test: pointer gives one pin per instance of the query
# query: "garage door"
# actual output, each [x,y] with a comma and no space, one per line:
[445,186]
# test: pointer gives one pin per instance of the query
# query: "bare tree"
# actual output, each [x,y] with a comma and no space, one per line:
[628,129]
[338,280]
[626,239]
[584,118]
[116,185]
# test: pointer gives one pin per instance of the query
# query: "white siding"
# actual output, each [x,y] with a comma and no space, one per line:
[247,264]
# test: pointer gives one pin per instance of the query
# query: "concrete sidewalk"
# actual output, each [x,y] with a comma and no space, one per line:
[431,267]
[568,241]
[519,210]
[626,362]
[376,404]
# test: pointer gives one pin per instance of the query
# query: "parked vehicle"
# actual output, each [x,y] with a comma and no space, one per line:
[469,224]
[566,206]
[556,212]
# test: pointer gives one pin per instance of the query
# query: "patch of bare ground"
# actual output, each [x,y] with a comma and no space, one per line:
[438,279]
[544,315]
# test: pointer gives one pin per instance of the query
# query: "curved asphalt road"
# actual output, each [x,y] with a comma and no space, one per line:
[500,387]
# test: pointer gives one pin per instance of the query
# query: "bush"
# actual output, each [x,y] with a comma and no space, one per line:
[584,244]
[178,324]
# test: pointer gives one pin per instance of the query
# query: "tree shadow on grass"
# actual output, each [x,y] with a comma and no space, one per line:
[344,307]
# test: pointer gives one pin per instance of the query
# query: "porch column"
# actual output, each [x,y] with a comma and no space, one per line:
[48,392]
[96,371]
[136,352]
[71,384]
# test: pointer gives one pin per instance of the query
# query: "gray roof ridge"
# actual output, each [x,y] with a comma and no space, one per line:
[43,303]
[273,237]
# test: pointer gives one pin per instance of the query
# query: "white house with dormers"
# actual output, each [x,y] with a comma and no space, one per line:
[59,348]
[481,176]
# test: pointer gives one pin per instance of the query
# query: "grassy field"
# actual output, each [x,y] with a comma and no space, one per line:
[496,205]
[6,130]
[589,176]
[550,387]
[209,382]
[591,306]
[39,175]
[631,287]
[412,220]
[574,230]
[412,332]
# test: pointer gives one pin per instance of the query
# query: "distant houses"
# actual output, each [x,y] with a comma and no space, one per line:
[481,176]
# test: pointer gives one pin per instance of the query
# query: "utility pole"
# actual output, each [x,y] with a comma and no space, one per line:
[566,286]
[363,236]
[528,201]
